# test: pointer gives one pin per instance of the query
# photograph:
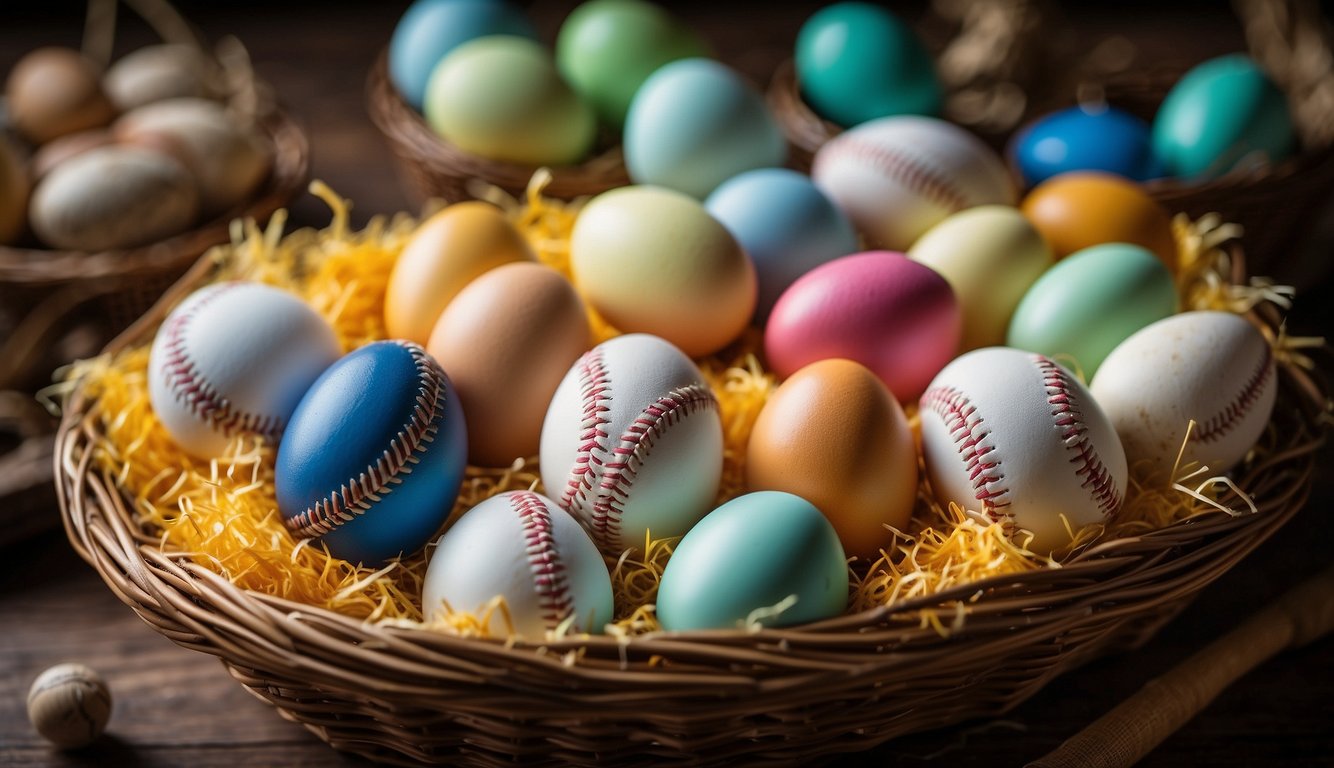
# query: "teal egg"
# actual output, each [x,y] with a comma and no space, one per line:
[606,49]
[1222,114]
[754,552]
[857,61]
[1090,301]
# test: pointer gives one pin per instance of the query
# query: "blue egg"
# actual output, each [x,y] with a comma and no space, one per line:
[373,456]
[786,225]
[1085,139]
[696,123]
[755,552]
[430,29]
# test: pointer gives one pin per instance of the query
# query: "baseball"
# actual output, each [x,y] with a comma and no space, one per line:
[1213,367]
[524,547]
[896,177]
[235,358]
[69,704]
[374,455]
[1014,438]
[633,442]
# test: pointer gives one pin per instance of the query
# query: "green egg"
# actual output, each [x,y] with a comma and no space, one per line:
[606,49]
[754,552]
[1223,113]
[501,97]
[1091,301]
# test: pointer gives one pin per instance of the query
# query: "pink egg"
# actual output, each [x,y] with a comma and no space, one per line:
[891,314]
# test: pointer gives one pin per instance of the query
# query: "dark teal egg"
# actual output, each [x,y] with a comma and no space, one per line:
[1085,139]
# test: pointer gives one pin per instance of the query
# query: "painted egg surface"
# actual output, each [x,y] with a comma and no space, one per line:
[1077,210]
[430,29]
[1085,138]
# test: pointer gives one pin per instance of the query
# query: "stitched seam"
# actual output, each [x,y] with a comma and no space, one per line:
[595,396]
[192,389]
[358,494]
[1074,433]
[1227,419]
[623,465]
[912,172]
[549,572]
[967,427]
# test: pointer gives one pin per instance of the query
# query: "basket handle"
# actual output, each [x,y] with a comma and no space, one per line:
[99,31]
[1135,726]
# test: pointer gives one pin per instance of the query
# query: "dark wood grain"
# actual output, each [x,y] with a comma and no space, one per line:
[175,707]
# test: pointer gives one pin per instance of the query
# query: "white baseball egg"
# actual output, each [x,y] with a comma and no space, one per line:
[521,546]
[633,443]
[896,177]
[1213,367]
[1014,438]
[235,358]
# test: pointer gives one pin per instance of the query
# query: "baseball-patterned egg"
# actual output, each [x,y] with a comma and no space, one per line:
[449,250]
[1015,439]
[430,29]
[767,557]
[606,49]
[632,442]
[891,314]
[784,223]
[506,341]
[990,255]
[695,123]
[857,62]
[501,97]
[835,436]
[1211,367]
[13,194]
[652,260]
[896,177]
[523,547]
[1091,301]
[1085,138]
[235,358]
[1076,210]
[374,454]
[1225,113]
[53,91]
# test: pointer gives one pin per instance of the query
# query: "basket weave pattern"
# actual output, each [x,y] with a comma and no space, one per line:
[775,696]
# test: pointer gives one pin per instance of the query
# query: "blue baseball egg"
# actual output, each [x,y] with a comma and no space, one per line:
[1085,138]
[429,29]
[786,225]
[374,454]
[764,550]
[1223,113]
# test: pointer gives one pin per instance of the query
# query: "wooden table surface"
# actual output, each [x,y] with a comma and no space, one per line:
[175,707]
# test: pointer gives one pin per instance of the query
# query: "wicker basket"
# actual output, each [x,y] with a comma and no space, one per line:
[433,167]
[776,696]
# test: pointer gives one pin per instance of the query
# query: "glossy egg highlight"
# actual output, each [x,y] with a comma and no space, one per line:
[1085,138]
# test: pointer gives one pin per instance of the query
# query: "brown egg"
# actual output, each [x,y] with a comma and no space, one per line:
[13,194]
[1073,211]
[506,341]
[57,151]
[56,91]
[160,72]
[835,436]
[113,197]
[446,253]
[228,160]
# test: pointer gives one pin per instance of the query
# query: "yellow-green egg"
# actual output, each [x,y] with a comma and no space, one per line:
[501,97]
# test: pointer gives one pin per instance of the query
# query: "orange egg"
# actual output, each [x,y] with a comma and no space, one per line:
[506,341]
[54,91]
[1073,211]
[448,251]
[834,435]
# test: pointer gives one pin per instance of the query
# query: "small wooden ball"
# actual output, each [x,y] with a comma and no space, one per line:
[69,704]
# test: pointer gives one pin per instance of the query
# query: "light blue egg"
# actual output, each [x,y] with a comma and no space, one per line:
[1223,113]
[430,29]
[754,552]
[786,225]
[696,123]
[1085,139]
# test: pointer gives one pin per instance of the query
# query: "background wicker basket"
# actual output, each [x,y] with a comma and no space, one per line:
[433,167]
[787,696]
